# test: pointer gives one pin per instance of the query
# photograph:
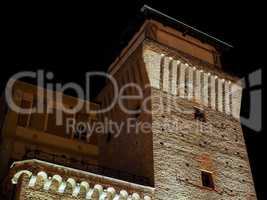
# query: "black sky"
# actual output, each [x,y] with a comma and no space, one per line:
[71,39]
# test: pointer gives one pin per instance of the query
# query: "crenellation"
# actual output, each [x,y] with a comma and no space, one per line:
[190,82]
[166,73]
[212,92]
[193,148]
[197,86]
[174,77]
[153,62]
[170,78]
[227,86]
[205,90]
[181,80]
[236,95]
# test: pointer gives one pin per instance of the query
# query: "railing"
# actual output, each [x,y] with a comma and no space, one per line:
[89,167]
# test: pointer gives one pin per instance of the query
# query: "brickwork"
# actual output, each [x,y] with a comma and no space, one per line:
[41,180]
[217,93]
[195,129]
[183,147]
[132,148]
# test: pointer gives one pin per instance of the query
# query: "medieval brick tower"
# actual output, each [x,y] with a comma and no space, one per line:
[194,148]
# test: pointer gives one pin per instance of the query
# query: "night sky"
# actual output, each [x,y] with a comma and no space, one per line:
[71,39]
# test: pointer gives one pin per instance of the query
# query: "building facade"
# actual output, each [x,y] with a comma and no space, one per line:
[194,148]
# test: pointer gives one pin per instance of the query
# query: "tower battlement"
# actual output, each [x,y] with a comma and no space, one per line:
[180,155]
[190,82]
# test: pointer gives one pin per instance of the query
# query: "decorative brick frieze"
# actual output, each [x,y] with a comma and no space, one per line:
[40,180]
[186,81]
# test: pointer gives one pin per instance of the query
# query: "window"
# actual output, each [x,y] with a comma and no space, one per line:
[200,114]
[207,180]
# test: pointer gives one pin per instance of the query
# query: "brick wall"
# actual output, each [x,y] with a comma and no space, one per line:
[127,150]
[34,179]
[184,79]
[183,146]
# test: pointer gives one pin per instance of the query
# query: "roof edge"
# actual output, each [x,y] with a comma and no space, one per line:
[150,12]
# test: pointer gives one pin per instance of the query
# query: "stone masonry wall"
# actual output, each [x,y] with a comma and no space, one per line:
[186,80]
[128,150]
[184,146]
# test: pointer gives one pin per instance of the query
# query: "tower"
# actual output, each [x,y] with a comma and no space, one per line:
[195,149]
